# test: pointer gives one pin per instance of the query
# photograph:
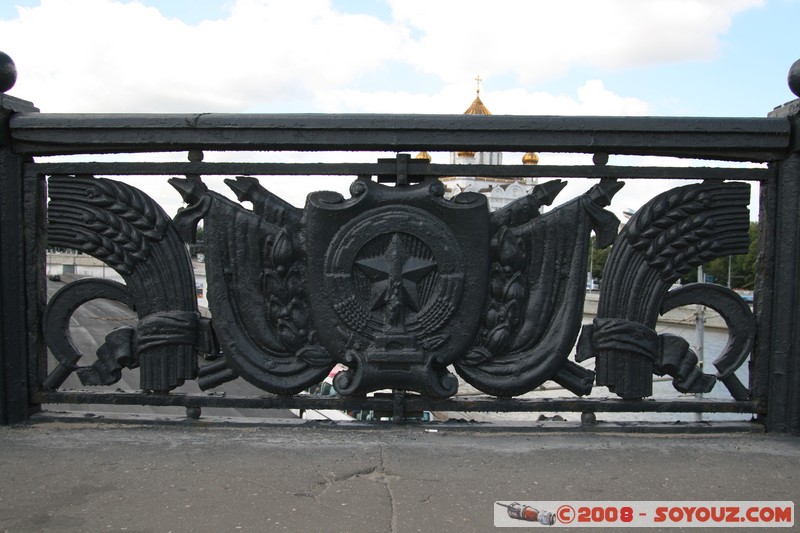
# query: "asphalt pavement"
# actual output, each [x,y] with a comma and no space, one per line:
[199,476]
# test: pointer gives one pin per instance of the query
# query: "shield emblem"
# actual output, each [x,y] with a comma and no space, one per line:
[397,280]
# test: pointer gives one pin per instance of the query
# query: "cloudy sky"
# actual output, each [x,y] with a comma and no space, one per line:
[571,57]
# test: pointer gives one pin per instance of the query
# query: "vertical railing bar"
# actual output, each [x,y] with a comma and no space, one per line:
[783,403]
[35,235]
[398,406]
[777,381]
[14,313]
[779,376]
[764,292]
[5,181]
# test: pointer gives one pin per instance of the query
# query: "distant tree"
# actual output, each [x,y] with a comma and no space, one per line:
[198,247]
[742,267]
[597,258]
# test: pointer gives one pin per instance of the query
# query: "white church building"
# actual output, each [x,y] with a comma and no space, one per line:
[499,191]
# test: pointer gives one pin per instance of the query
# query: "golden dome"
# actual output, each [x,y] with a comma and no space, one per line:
[530,158]
[477,108]
[424,155]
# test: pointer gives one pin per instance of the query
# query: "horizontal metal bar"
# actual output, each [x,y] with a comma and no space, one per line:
[412,403]
[415,170]
[583,405]
[217,400]
[738,139]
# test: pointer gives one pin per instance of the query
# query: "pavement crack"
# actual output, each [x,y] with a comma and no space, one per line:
[330,480]
[375,474]
[365,472]
[386,480]
[379,475]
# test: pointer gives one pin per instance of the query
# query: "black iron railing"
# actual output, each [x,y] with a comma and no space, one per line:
[400,285]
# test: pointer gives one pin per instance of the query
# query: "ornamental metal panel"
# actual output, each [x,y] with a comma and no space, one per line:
[405,293]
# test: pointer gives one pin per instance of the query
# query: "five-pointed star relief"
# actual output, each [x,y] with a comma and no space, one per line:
[396,268]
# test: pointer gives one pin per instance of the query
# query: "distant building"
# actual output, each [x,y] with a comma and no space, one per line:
[499,191]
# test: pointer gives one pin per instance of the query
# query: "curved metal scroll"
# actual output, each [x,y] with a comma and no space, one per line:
[126,229]
[256,275]
[737,316]
[56,333]
[537,291]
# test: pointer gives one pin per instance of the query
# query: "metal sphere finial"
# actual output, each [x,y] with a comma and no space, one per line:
[8,72]
[600,159]
[794,78]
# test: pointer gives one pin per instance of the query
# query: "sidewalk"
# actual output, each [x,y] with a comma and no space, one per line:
[199,476]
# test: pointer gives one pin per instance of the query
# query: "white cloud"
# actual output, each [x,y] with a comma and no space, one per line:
[115,56]
[538,41]
[109,55]
[592,98]
[105,55]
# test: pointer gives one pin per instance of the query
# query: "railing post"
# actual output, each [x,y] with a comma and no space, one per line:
[20,283]
[778,378]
